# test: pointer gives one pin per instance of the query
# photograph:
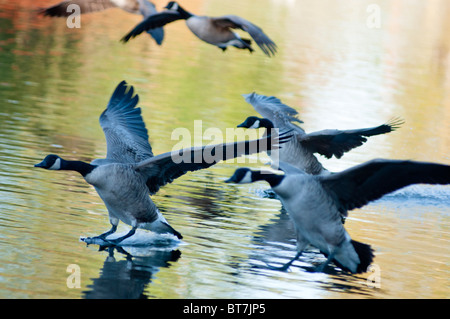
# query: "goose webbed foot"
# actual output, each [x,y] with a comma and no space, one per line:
[105,234]
[116,241]
[286,266]
[101,237]
[321,267]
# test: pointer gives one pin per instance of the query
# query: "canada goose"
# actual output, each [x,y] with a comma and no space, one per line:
[299,152]
[143,7]
[130,173]
[315,202]
[216,31]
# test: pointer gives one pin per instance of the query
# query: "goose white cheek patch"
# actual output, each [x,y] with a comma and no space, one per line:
[255,125]
[56,166]
[247,178]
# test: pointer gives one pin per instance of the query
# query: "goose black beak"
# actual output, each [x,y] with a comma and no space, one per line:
[232,179]
[242,125]
[41,164]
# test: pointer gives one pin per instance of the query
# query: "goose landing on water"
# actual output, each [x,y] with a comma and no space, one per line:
[216,31]
[143,7]
[301,149]
[316,203]
[130,173]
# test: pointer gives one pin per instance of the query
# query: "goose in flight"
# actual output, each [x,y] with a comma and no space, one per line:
[130,172]
[213,30]
[315,203]
[143,7]
[301,149]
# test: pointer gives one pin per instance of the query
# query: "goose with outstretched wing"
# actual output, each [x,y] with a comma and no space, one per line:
[130,172]
[217,31]
[316,203]
[301,149]
[142,7]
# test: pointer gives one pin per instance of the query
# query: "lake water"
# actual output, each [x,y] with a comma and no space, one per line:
[341,64]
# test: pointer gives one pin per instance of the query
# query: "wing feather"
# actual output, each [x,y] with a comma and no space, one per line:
[331,143]
[270,107]
[124,128]
[166,167]
[152,22]
[261,39]
[357,186]
[86,6]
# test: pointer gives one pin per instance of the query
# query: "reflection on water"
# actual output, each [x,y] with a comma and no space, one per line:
[331,66]
[128,278]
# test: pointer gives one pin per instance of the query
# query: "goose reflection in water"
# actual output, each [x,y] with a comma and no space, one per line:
[276,240]
[128,278]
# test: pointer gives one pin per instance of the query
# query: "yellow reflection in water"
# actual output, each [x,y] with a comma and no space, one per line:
[337,70]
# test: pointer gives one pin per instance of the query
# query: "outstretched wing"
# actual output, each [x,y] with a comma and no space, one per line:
[125,131]
[166,167]
[270,107]
[86,6]
[261,39]
[357,186]
[147,9]
[154,21]
[336,142]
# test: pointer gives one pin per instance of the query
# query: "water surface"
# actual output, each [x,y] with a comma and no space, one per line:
[335,68]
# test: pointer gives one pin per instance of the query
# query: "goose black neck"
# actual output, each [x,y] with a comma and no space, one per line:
[184,14]
[266,123]
[78,166]
[273,179]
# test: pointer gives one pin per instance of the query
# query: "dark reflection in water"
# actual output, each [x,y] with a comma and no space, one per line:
[204,195]
[280,229]
[128,278]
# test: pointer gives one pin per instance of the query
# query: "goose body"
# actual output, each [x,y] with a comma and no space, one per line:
[217,31]
[142,7]
[316,203]
[203,27]
[123,190]
[301,150]
[130,172]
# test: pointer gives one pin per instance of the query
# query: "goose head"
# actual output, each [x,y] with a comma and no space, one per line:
[52,162]
[175,7]
[172,5]
[256,122]
[56,163]
[241,176]
[245,175]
